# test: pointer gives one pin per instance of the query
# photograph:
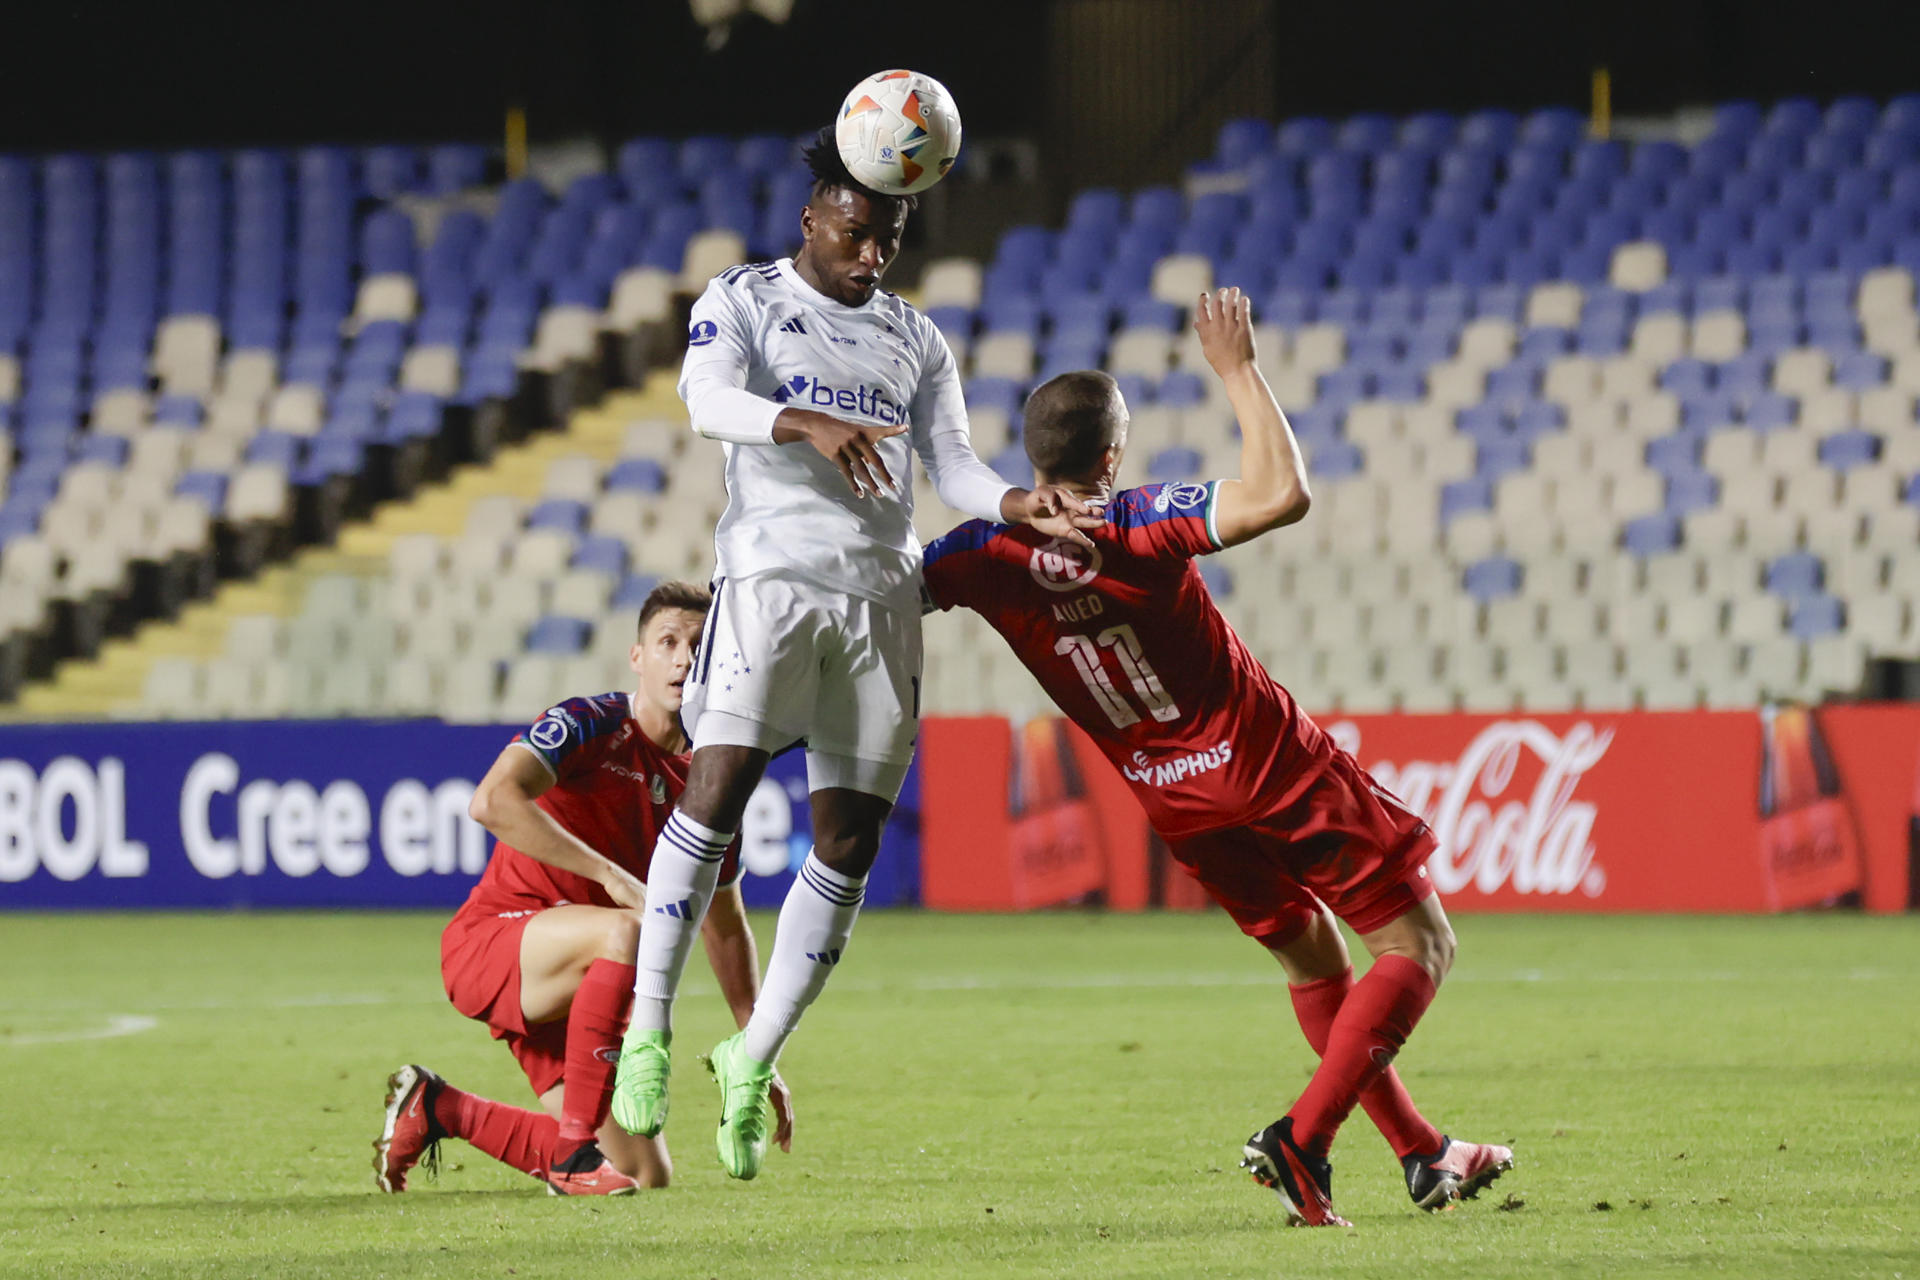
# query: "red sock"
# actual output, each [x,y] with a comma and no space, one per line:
[511,1135]
[594,1027]
[1373,1023]
[1386,1100]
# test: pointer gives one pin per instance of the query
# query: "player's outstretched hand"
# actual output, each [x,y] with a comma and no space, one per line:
[782,1099]
[850,446]
[624,888]
[1224,321]
[1056,510]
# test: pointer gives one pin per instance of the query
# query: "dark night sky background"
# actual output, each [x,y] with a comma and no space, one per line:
[105,75]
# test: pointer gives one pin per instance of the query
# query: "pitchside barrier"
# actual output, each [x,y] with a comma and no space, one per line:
[322,813]
[1773,810]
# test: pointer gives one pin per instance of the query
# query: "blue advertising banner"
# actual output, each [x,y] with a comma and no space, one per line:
[322,813]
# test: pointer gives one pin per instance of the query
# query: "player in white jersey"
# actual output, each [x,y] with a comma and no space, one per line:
[821,385]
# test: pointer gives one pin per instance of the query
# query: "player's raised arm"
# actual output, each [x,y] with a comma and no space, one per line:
[1272,488]
[503,803]
[713,382]
[965,483]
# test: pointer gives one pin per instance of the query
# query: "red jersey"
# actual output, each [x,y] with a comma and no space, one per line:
[1130,645]
[612,787]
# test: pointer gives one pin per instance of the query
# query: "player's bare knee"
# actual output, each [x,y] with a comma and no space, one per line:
[850,855]
[720,781]
[621,942]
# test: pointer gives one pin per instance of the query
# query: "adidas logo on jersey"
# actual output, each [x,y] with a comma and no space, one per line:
[794,326]
[869,401]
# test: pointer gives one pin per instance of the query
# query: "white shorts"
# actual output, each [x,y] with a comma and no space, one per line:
[783,661]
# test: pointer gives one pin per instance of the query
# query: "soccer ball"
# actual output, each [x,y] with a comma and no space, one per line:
[898,132]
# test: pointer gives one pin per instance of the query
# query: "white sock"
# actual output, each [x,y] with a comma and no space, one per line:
[815,923]
[680,884]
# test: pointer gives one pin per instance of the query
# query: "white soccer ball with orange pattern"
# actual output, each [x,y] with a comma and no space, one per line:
[898,132]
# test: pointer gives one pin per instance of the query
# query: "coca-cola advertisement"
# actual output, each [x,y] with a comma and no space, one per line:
[1710,811]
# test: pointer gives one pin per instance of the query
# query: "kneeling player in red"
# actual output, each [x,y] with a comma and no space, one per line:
[543,950]
[1258,804]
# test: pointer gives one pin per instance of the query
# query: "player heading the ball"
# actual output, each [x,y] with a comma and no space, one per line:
[1281,827]
[822,386]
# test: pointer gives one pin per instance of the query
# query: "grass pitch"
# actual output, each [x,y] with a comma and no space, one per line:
[194,1096]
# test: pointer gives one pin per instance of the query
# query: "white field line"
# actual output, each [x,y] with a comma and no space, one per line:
[1257,977]
[123,1024]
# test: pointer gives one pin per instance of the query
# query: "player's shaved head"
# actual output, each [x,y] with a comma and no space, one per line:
[1071,421]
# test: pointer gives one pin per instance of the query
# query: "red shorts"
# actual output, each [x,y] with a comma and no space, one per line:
[480,965]
[1343,841]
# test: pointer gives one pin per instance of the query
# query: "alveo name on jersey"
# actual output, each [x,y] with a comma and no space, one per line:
[870,402]
[1148,774]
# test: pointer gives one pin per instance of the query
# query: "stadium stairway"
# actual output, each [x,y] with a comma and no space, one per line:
[116,682]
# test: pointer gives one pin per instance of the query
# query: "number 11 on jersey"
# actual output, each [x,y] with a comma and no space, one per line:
[1087,660]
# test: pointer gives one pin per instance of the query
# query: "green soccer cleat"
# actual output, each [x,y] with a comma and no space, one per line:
[640,1083]
[746,1114]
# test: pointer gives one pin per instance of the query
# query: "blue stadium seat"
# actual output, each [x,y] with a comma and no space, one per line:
[1011,465]
[331,455]
[1501,456]
[640,475]
[1860,371]
[559,636]
[1457,497]
[1674,455]
[1338,460]
[209,488]
[1709,411]
[177,411]
[1846,450]
[995,393]
[1218,577]
[17,520]
[602,553]
[276,447]
[1181,389]
[1304,135]
[1795,575]
[1813,617]
[1650,535]
[1771,412]
[1691,491]
[1492,579]
[1176,463]
[563,514]
[634,590]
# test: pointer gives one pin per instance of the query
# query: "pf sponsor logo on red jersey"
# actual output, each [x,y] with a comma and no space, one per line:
[1494,829]
[1061,565]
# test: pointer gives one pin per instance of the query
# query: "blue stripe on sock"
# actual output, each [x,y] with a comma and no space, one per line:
[840,895]
[690,845]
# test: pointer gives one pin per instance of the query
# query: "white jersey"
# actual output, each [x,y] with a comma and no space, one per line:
[763,330]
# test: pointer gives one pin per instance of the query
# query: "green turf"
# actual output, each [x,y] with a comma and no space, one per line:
[1052,1095]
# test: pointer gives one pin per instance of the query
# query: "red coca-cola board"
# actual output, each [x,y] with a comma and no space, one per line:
[1630,812]
[1635,811]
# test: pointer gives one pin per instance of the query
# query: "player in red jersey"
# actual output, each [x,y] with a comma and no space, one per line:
[1283,828]
[543,950]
